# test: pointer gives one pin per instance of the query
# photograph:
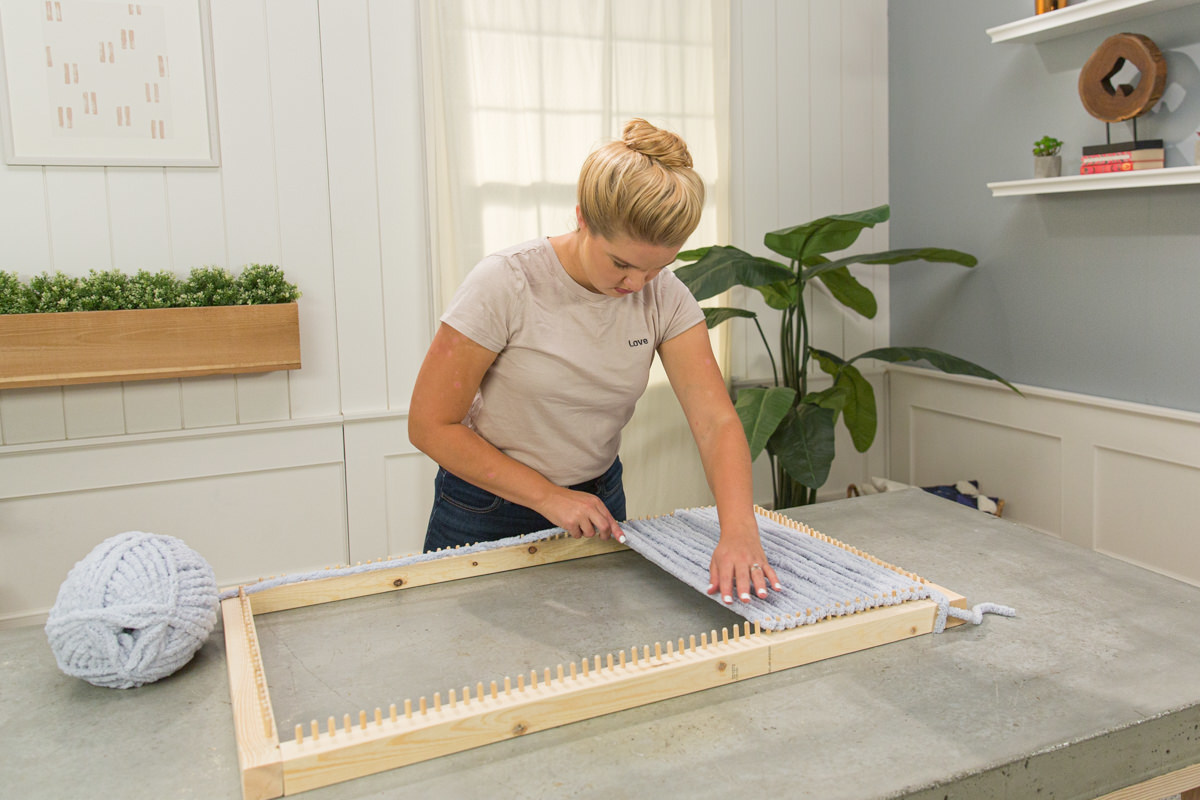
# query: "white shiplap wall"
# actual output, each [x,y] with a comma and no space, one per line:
[810,117]
[322,172]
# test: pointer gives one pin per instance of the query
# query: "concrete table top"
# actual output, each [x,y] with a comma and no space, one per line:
[1092,687]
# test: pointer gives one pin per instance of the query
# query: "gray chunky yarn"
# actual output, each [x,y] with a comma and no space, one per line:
[134,610]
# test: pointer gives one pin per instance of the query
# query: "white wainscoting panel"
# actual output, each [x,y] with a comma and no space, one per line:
[1145,514]
[408,498]
[254,501]
[390,487]
[1112,476]
[955,447]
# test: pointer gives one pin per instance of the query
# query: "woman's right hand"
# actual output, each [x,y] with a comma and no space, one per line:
[581,515]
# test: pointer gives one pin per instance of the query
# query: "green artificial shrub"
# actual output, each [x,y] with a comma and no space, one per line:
[104,291]
[15,297]
[258,284]
[57,292]
[209,286]
[263,284]
[154,290]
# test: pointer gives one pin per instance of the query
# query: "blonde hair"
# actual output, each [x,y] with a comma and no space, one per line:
[642,187]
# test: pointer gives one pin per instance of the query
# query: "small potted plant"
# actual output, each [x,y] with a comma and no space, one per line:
[1047,163]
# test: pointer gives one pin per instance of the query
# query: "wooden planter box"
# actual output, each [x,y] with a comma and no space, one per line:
[57,349]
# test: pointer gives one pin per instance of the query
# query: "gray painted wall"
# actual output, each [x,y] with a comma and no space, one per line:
[1092,292]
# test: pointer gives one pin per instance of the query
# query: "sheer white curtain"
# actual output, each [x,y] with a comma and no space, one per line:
[518,92]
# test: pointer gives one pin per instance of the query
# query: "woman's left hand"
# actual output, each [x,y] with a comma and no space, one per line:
[738,562]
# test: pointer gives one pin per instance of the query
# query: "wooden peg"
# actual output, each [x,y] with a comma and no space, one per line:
[453,699]
[658,650]
[521,683]
[757,627]
[621,658]
[332,726]
[315,729]
[533,679]
[362,719]
[670,647]
[724,635]
[704,640]
[437,701]
[379,715]
[574,672]
[299,734]
[560,672]
[692,642]
[546,675]
[679,647]
[346,723]
[646,652]
[424,708]
[598,661]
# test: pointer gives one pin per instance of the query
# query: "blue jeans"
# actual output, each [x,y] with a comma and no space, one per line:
[465,514]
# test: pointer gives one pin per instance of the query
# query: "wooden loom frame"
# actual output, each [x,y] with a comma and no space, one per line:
[426,729]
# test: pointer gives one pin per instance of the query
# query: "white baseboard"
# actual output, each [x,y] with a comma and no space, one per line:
[1112,476]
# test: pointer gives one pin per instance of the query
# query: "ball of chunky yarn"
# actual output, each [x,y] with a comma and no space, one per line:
[135,610]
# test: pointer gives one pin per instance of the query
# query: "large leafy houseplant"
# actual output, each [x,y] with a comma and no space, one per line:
[796,426]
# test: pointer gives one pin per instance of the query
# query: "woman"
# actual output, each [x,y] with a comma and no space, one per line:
[547,346]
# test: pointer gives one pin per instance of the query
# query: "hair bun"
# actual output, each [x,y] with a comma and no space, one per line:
[663,146]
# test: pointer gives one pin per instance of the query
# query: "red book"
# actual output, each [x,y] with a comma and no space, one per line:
[1121,166]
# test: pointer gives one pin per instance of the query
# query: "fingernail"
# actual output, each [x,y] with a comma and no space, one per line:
[728,599]
[777,586]
[621,538]
[745,596]
[762,592]
[710,588]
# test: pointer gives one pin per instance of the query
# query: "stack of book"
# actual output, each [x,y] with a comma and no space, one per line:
[1122,157]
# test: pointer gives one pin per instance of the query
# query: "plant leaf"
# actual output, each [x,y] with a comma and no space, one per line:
[824,235]
[692,255]
[846,289]
[859,415]
[781,295]
[830,362]
[761,410]
[943,361]
[833,398]
[804,444]
[939,254]
[723,267]
[715,316]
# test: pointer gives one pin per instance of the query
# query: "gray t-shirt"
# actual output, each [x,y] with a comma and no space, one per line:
[571,363]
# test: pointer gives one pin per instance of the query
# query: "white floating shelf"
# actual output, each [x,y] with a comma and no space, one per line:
[1170,176]
[1080,16]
